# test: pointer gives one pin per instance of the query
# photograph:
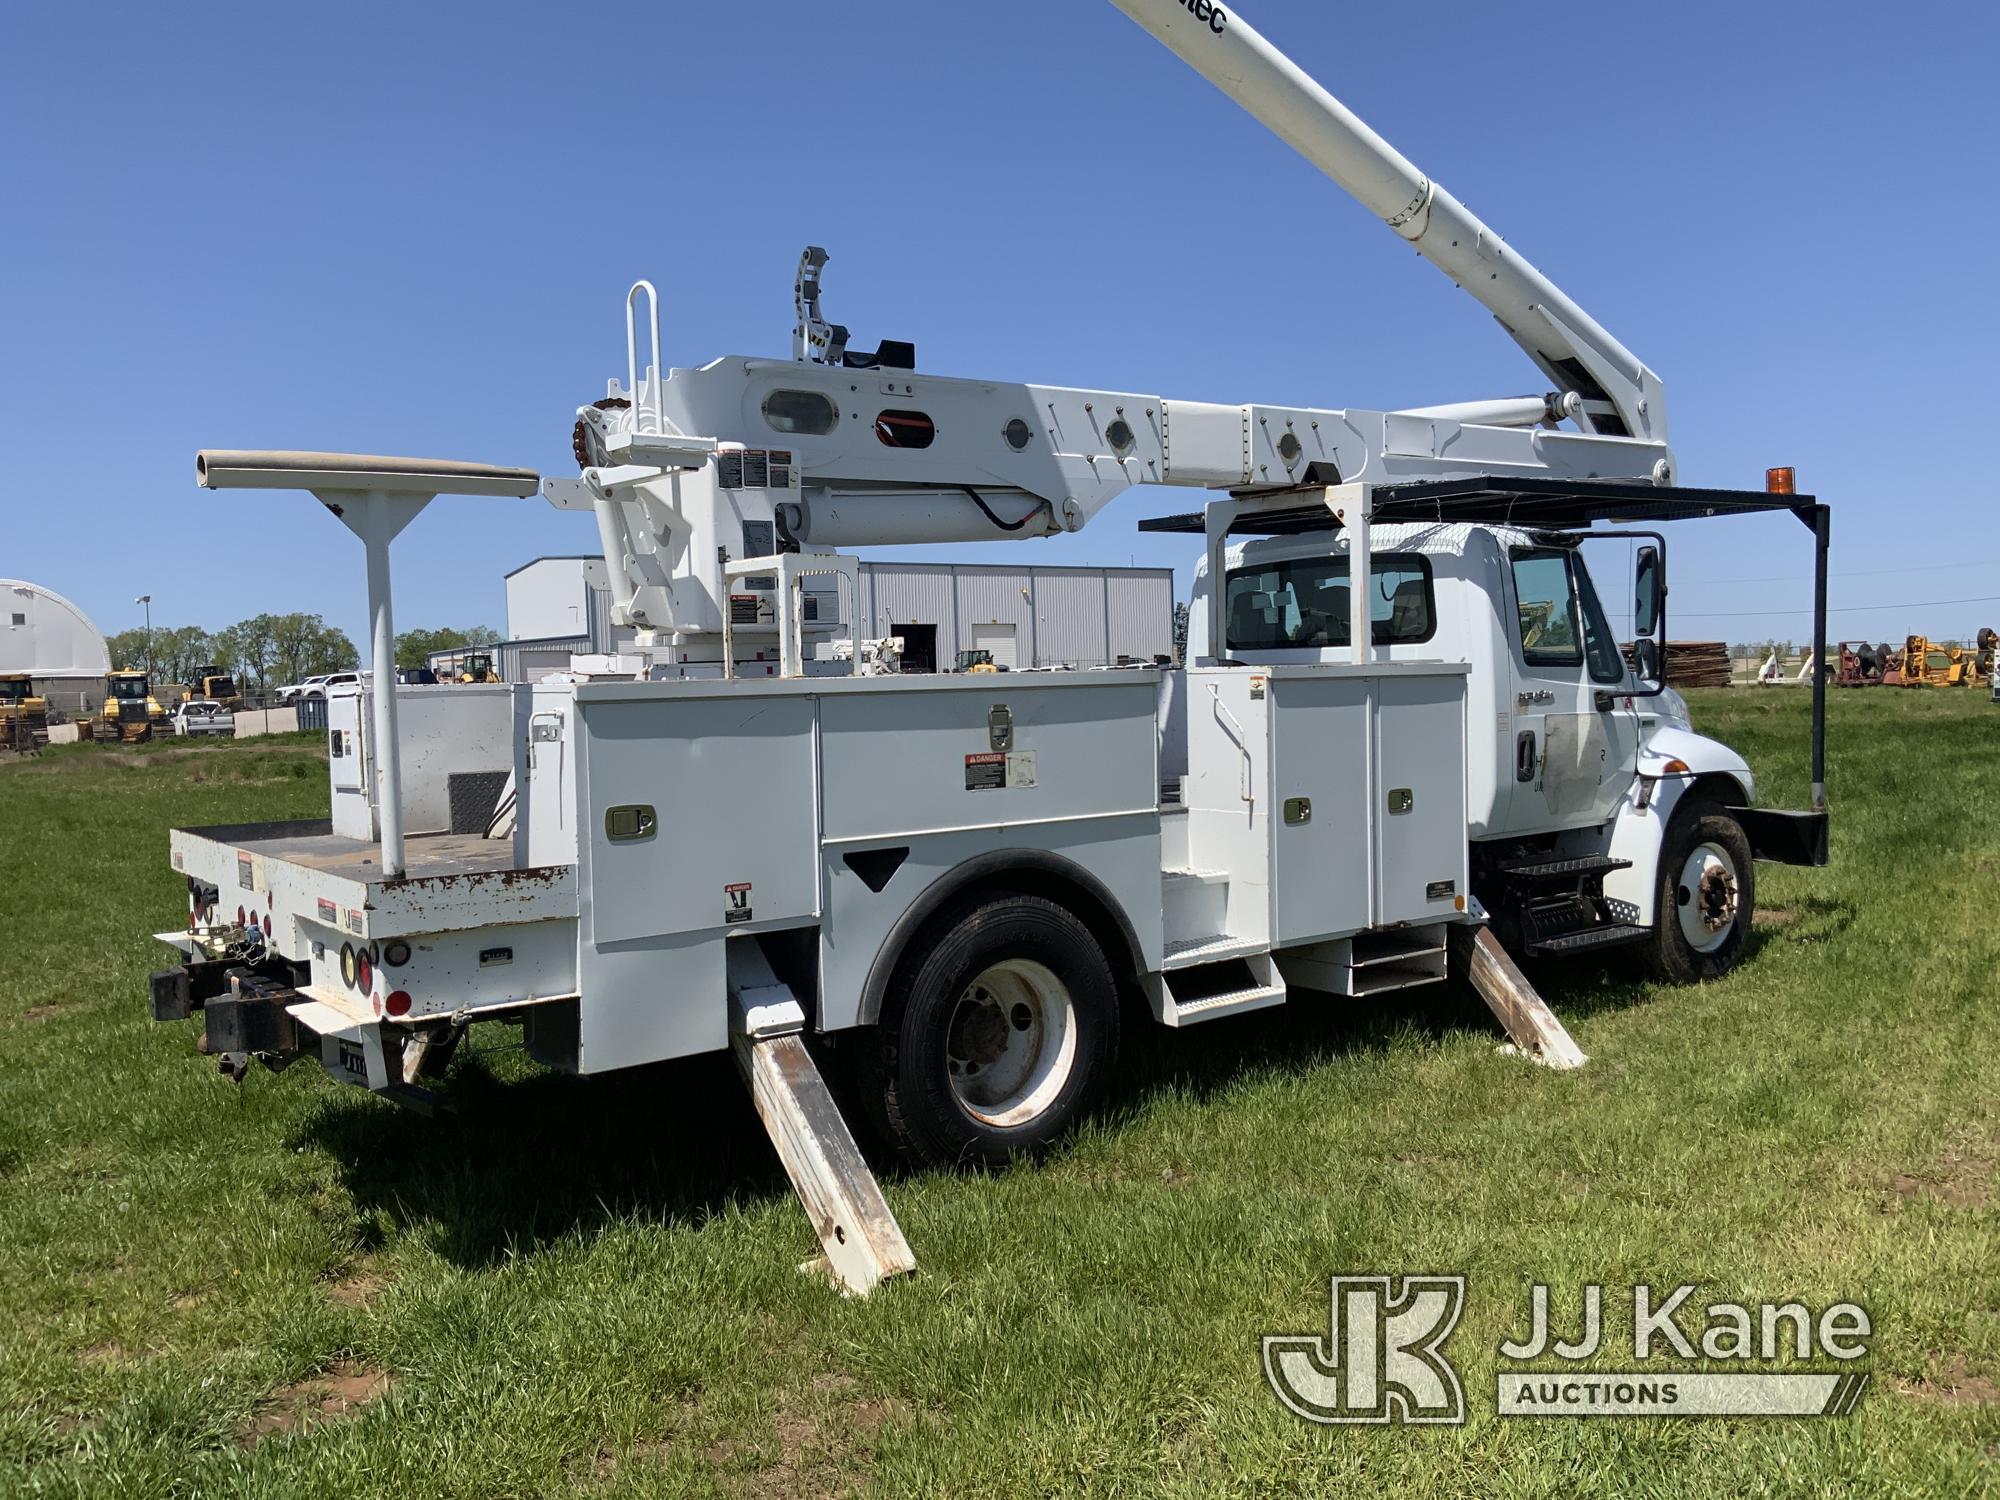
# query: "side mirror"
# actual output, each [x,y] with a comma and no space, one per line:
[1650,594]
[1649,619]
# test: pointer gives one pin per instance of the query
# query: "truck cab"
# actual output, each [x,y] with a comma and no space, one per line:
[1581,766]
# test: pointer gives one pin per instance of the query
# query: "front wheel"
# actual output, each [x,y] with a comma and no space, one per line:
[1707,895]
[994,1037]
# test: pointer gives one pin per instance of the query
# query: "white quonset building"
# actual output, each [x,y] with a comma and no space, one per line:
[53,641]
[1026,616]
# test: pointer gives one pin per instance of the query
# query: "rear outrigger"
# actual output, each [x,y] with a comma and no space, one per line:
[1405,738]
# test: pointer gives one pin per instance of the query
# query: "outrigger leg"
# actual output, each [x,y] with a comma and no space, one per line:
[862,1241]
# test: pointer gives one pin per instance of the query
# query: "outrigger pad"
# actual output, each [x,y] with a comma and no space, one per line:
[1781,837]
[168,997]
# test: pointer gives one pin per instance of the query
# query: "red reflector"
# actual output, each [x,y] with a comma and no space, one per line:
[364,972]
[398,1003]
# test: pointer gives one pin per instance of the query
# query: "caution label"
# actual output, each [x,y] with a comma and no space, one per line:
[736,904]
[991,770]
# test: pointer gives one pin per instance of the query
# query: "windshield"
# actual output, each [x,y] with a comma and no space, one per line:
[222,687]
[128,687]
[13,692]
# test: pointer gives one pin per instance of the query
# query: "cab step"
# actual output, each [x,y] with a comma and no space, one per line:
[1188,953]
[1562,868]
[1228,1003]
[1609,935]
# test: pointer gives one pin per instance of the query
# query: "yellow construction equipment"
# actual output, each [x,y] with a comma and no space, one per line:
[24,716]
[216,686]
[476,666]
[1928,663]
[131,712]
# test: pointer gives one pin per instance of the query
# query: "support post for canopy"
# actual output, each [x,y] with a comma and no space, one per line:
[375,498]
[1822,525]
[376,518]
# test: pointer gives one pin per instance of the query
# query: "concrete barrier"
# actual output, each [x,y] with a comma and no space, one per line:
[64,734]
[251,722]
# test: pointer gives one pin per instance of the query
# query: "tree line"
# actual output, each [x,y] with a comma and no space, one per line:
[270,651]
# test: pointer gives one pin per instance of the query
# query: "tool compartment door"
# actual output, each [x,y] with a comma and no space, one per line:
[698,813]
[1319,806]
[1419,796]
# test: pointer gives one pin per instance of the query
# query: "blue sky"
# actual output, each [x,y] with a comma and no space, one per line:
[408,229]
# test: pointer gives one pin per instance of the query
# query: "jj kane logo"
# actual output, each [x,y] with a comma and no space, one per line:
[1383,1358]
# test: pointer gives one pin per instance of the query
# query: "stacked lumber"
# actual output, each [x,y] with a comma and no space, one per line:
[1695,663]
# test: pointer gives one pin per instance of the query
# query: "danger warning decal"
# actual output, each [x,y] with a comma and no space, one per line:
[991,770]
[736,903]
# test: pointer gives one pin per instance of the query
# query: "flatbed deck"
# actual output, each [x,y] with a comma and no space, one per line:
[453,879]
[427,856]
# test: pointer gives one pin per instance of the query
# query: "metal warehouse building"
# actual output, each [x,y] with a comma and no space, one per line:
[1027,617]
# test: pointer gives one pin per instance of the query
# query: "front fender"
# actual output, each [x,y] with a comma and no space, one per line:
[1672,761]
[1697,755]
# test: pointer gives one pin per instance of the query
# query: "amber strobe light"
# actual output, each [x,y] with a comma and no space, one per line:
[1781,482]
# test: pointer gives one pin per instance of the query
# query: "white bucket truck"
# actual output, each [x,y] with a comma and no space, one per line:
[1405,712]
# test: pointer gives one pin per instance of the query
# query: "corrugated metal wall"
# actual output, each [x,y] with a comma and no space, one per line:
[1076,616]
[996,596]
[911,593]
[1139,614]
[1081,617]
[1069,619]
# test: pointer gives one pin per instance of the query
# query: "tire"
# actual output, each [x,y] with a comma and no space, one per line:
[997,1033]
[1707,895]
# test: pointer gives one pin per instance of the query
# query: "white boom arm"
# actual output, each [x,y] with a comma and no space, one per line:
[1621,397]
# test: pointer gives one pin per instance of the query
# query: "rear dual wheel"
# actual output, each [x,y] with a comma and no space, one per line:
[996,1034]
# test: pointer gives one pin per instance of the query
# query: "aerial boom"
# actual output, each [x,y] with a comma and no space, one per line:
[1620,396]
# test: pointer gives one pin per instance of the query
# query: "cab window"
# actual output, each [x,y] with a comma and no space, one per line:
[1561,622]
[1303,602]
[1545,602]
[1600,648]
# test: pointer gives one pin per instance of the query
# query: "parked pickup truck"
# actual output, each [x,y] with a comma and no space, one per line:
[203,716]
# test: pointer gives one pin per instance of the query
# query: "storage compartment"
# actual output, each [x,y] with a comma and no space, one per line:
[1333,795]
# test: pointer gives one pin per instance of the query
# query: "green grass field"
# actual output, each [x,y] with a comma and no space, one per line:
[570,1288]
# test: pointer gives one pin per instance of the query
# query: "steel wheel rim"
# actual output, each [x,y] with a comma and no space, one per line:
[1706,896]
[1010,1046]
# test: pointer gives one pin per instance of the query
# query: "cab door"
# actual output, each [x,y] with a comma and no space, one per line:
[1575,738]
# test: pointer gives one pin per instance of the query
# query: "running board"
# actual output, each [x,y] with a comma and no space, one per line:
[863,1244]
[1584,939]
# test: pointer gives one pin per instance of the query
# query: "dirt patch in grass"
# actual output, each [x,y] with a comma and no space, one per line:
[341,1390]
[46,1011]
[1774,916]
[1955,1385]
[818,1440]
[108,1353]
[358,1286]
[1962,1177]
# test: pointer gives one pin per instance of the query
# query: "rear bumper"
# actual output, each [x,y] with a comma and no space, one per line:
[1785,838]
[247,1014]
